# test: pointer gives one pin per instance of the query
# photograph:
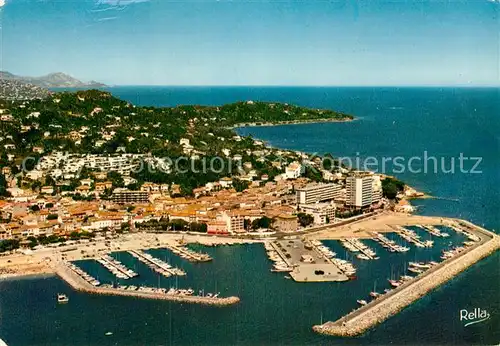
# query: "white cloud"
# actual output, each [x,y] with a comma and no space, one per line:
[2,2]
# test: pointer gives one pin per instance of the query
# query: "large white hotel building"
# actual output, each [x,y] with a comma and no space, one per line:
[362,190]
[314,193]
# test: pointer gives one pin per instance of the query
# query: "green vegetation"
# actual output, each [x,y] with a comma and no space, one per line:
[263,222]
[305,219]
[391,187]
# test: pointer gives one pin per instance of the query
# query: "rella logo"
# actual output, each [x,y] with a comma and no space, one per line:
[472,317]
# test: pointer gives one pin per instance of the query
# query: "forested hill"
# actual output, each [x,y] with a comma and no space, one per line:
[76,121]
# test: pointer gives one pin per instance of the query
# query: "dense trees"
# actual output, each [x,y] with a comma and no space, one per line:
[305,219]
[391,187]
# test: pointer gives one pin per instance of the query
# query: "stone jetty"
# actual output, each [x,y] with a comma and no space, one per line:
[377,311]
[79,284]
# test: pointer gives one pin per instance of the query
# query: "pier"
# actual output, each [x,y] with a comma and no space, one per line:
[412,237]
[433,230]
[65,272]
[188,254]
[388,244]
[156,264]
[355,245]
[377,311]
[116,267]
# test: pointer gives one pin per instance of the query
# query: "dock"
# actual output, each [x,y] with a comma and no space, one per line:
[156,264]
[189,254]
[116,267]
[433,230]
[387,243]
[377,311]
[355,245]
[412,237]
[64,271]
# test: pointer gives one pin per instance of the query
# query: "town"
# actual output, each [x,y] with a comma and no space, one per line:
[64,180]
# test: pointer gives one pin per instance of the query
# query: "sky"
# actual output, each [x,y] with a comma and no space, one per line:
[255,42]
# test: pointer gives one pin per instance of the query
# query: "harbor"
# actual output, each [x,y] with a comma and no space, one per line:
[388,244]
[306,261]
[411,237]
[116,268]
[81,281]
[355,245]
[409,289]
[189,254]
[156,264]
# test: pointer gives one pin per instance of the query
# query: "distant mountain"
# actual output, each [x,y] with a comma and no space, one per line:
[52,80]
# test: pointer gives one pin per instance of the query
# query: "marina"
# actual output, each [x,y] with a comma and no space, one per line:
[433,230]
[412,237]
[406,291]
[388,244]
[81,281]
[156,264]
[116,267]
[307,261]
[355,245]
[189,254]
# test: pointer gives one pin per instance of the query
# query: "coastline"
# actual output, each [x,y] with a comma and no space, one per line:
[292,122]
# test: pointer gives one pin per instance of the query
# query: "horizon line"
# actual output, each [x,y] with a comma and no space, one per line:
[290,86]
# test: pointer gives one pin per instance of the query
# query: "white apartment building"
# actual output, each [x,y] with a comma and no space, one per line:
[234,223]
[359,190]
[314,193]
[293,171]
[322,212]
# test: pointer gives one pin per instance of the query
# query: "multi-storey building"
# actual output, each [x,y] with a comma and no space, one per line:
[130,197]
[314,193]
[322,212]
[359,190]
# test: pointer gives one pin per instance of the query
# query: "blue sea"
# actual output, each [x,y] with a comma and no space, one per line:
[405,122]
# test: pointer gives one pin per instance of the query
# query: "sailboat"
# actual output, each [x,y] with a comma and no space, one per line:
[374,294]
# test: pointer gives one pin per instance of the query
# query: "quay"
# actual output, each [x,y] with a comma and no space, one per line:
[388,244]
[411,237]
[79,284]
[116,267]
[356,244]
[378,310]
[156,264]
[189,254]
[433,230]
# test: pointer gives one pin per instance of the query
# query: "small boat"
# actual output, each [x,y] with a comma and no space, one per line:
[287,277]
[374,294]
[361,302]
[394,283]
[109,333]
[62,298]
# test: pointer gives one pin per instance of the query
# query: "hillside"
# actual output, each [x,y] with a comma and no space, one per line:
[52,80]
[11,89]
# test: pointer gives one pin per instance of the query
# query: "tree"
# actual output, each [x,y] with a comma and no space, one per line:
[263,222]
[240,185]
[52,217]
[305,219]
[391,187]
[3,186]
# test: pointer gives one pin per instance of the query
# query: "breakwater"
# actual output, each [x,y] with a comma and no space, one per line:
[77,283]
[377,311]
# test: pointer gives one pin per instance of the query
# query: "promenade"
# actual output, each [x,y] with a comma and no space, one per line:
[377,311]
[79,284]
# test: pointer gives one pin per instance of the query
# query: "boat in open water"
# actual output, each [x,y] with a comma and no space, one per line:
[62,298]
